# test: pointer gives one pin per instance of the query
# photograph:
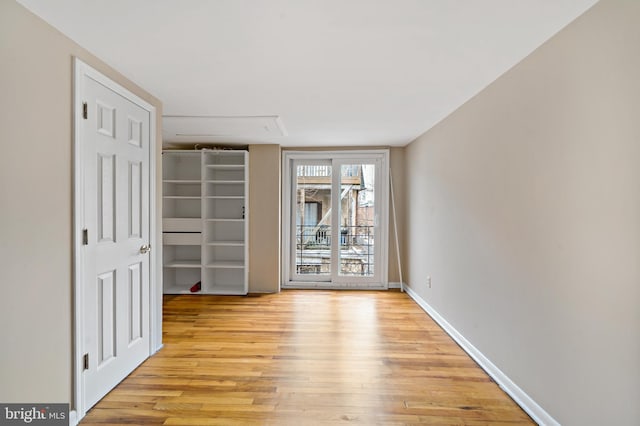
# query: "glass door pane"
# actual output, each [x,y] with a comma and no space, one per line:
[312,236]
[356,254]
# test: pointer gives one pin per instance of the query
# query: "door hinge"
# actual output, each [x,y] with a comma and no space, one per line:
[85,362]
[85,113]
[85,237]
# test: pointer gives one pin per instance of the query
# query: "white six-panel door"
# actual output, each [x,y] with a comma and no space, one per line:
[115,284]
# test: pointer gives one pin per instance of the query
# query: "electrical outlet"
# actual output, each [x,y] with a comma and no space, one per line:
[429,282]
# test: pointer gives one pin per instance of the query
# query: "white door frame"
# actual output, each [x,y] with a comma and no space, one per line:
[382,246]
[82,70]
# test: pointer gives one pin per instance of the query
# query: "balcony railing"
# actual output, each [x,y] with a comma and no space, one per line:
[313,250]
[325,171]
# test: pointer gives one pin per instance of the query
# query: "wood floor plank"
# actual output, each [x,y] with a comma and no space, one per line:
[305,358]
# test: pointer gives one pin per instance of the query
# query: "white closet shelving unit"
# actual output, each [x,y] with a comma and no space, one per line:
[205,221]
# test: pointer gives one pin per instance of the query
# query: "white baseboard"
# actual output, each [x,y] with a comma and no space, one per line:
[537,413]
[73,418]
[395,285]
[330,286]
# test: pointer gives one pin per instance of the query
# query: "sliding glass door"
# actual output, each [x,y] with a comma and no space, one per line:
[335,221]
[312,211]
[357,245]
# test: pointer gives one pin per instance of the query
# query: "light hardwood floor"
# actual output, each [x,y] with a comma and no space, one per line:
[305,358]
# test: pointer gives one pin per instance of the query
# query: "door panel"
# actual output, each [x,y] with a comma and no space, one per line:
[357,224]
[106,317]
[106,198]
[135,199]
[106,121]
[312,188]
[135,132]
[116,215]
[135,302]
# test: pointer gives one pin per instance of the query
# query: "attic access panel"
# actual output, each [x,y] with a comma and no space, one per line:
[193,129]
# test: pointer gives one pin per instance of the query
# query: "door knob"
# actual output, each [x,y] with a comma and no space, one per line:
[145,249]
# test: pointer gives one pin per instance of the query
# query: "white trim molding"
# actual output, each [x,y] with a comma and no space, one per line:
[535,411]
[73,418]
[315,285]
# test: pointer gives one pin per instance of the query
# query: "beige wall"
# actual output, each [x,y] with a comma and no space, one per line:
[264,218]
[524,208]
[36,78]
[396,160]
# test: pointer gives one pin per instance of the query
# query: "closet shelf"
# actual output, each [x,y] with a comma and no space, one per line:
[227,243]
[180,197]
[225,166]
[226,264]
[183,264]
[224,182]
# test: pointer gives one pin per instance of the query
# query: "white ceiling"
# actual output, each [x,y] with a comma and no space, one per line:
[330,72]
